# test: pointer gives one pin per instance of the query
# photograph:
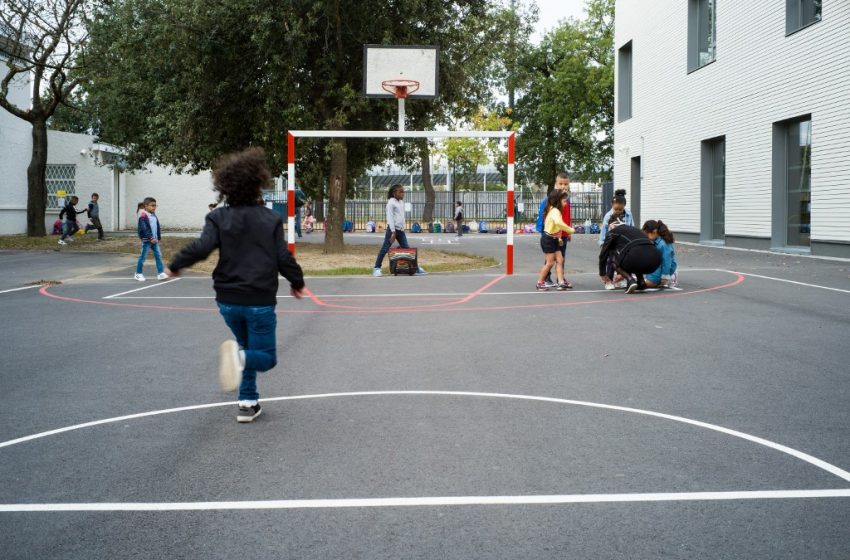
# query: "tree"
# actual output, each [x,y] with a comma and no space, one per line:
[567,110]
[178,82]
[43,40]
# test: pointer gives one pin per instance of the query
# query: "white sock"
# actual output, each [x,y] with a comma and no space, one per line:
[248,404]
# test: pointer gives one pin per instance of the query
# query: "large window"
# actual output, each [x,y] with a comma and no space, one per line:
[798,182]
[624,82]
[801,13]
[714,189]
[702,32]
[60,177]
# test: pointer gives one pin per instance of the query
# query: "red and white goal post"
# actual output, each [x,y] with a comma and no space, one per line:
[510,136]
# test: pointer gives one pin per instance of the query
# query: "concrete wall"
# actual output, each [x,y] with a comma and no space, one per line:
[15,153]
[760,77]
[182,199]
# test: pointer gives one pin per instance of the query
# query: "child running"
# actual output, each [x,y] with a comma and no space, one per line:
[551,240]
[252,252]
[70,226]
[665,275]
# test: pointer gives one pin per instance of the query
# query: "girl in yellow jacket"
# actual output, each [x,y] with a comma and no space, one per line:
[554,228]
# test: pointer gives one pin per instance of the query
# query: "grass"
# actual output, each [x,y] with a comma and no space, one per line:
[356,260]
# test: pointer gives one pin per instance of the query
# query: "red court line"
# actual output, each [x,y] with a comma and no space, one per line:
[441,308]
[321,302]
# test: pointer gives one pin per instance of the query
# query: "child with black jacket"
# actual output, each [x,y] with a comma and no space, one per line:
[252,252]
[70,226]
[631,252]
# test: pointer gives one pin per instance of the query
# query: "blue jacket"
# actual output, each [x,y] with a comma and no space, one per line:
[629,221]
[668,257]
[144,229]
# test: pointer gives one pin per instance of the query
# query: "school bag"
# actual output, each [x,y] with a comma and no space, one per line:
[482,227]
[403,260]
[416,228]
[450,227]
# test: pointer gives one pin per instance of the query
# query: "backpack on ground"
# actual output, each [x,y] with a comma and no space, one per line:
[403,260]
[416,228]
[450,227]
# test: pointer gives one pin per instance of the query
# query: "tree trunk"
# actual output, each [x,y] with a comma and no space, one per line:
[336,196]
[427,183]
[36,181]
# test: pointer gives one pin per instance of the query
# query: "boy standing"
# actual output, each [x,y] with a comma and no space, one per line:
[459,217]
[252,253]
[70,227]
[94,217]
[150,233]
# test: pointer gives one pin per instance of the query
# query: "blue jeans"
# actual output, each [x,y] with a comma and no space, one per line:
[402,242]
[157,254]
[254,328]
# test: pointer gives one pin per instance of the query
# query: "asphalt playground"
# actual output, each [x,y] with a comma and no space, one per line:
[456,416]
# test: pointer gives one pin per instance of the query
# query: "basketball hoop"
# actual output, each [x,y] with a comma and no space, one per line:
[401,88]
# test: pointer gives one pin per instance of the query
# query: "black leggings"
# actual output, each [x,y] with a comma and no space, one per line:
[639,259]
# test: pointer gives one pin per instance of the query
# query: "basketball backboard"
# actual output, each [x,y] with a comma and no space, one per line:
[393,62]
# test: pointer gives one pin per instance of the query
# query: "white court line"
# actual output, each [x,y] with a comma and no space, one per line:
[807,285]
[157,283]
[429,501]
[832,469]
[19,289]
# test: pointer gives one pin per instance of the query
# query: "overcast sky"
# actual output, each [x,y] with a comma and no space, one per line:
[553,11]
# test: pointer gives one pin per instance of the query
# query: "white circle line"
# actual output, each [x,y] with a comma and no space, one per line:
[832,469]
[428,501]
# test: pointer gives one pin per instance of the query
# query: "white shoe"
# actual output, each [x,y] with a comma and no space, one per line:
[621,284]
[377,272]
[62,242]
[162,276]
[609,285]
[229,365]
[139,277]
[421,271]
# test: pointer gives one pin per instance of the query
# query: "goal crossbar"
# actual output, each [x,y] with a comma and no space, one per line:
[510,136]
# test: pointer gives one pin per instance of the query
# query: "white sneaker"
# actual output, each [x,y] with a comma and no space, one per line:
[162,276]
[621,284]
[139,277]
[609,285]
[229,365]
[62,242]
[421,271]
[377,272]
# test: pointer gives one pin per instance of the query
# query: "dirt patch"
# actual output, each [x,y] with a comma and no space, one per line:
[357,259]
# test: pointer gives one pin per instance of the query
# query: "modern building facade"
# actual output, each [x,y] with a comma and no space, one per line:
[733,120]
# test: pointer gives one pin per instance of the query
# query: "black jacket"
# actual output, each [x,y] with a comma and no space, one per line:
[618,242]
[251,254]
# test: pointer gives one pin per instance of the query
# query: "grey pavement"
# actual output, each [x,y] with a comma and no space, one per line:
[441,386]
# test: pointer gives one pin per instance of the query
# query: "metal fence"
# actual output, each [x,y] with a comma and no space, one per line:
[477,206]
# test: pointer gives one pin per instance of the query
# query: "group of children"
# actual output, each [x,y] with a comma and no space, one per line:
[68,219]
[629,258]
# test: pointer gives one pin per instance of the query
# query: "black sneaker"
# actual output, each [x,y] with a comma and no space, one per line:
[248,413]
[631,286]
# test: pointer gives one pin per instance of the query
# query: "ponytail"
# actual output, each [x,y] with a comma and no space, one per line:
[665,233]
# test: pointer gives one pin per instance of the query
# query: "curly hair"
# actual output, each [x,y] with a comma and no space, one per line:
[240,177]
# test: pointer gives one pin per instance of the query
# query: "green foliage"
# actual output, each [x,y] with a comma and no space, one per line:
[567,110]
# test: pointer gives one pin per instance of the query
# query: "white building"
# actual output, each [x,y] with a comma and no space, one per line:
[733,120]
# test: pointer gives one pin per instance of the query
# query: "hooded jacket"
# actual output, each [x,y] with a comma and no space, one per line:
[251,254]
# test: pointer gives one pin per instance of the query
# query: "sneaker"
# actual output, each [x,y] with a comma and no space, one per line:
[674,280]
[542,287]
[561,287]
[139,277]
[229,366]
[609,285]
[565,286]
[550,284]
[421,271]
[631,287]
[620,284]
[62,242]
[248,413]
[162,276]
[377,272]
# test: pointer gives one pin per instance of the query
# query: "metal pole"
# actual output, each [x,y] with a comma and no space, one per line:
[401,114]
[290,194]
[509,268]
